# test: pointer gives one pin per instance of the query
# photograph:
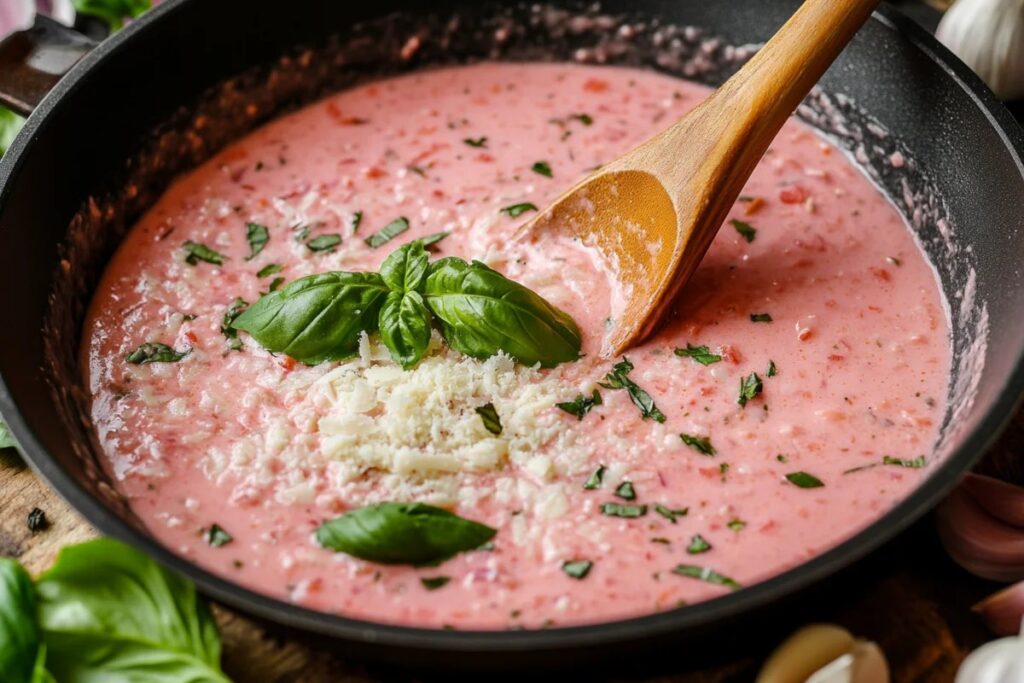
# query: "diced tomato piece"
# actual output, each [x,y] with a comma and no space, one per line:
[794,194]
[595,85]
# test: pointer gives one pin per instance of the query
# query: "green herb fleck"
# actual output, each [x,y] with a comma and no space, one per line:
[698,545]
[257,236]
[432,583]
[760,317]
[781,458]
[916,463]
[701,354]
[594,480]
[216,536]
[268,270]
[357,220]
[746,230]
[388,232]
[577,569]
[543,168]
[585,119]
[671,514]
[736,524]
[155,352]
[804,480]
[618,378]
[517,210]
[195,252]
[772,370]
[625,491]
[706,574]
[701,444]
[476,142]
[581,405]
[235,309]
[324,243]
[489,416]
[431,240]
[750,388]
[661,540]
[274,284]
[620,510]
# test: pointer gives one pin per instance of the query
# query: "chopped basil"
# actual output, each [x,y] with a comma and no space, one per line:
[585,119]
[357,220]
[701,354]
[750,388]
[577,569]
[723,469]
[594,480]
[620,510]
[388,232]
[581,405]
[701,444]
[618,378]
[235,309]
[476,142]
[434,582]
[746,230]
[698,545]
[489,416]
[781,458]
[772,370]
[736,524]
[195,252]
[155,352]
[431,240]
[402,533]
[669,513]
[257,236]
[542,168]
[517,210]
[275,284]
[216,536]
[324,242]
[760,317]
[706,574]
[804,480]
[268,270]
[916,463]
[625,491]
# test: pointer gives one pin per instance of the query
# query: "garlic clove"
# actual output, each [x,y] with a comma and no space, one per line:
[988,35]
[979,542]
[1001,661]
[806,652]
[1001,499]
[865,664]
[1003,611]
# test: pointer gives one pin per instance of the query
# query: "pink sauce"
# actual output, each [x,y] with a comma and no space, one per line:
[857,334]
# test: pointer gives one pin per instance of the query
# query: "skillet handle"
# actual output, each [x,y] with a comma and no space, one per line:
[33,60]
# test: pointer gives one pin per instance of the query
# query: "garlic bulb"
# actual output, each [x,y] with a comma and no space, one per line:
[1001,661]
[988,35]
[825,653]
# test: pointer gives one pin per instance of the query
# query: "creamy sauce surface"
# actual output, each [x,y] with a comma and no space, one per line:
[268,449]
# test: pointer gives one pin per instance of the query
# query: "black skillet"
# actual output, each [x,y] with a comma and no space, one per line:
[93,136]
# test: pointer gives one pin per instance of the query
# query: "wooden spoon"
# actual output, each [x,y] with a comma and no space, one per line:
[652,213]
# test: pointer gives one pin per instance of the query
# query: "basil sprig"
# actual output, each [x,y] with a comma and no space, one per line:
[403,533]
[479,311]
[20,648]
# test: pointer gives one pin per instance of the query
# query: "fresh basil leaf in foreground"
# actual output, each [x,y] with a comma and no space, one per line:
[155,352]
[318,317]
[405,270]
[405,327]
[481,312]
[19,633]
[618,378]
[402,533]
[109,613]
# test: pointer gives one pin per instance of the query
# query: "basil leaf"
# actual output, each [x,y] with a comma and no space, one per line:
[388,232]
[434,582]
[155,352]
[19,633]
[10,126]
[489,416]
[670,514]
[195,252]
[216,536]
[701,354]
[275,284]
[577,569]
[760,317]
[620,510]
[736,524]
[772,370]
[318,317]
[746,230]
[403,533]
[109,613]
[268,270]
[517,210]
[405,270]
[6,438]
[916,463]
[804,480]
[405,327]
[114,12]
[698,545]
[618,378]
[581,405]
[542,168]
[324,242]
[235,309]
[625,491]
[750,388]
[594,481]
[257,236]
[357,220]
[476,142]
[701,444]
[481,312]
[705,574]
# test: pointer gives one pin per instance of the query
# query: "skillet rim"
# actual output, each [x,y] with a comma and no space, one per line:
[676,622]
